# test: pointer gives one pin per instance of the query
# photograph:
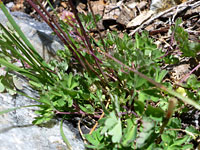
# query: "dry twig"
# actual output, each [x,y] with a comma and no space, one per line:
[169,12]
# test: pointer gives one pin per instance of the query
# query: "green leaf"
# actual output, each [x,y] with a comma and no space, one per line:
[45,99]
[155,113]
[69,80]
[147,134]
[153,95]
[2,88]
[166,138]
[115,102]
[139,81]
[142,96]
[180,141]
[72,93]
[110,122]
[188,48]
[130,133]
[39,120]
[116,132]
[139,107]
[46,114]
[187,146]
[96,139]
[87,108]
[69,100]
[192,130]
[92,140]
[160,75]
[61,102]
[174,147]
[113,127]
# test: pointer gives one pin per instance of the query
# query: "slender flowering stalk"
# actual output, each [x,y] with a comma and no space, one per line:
[188,75]
[76,113]
[70,21]
[64,38]
[158,85]
[86,38]
[55,30]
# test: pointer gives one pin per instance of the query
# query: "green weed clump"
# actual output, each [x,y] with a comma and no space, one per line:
[116,81]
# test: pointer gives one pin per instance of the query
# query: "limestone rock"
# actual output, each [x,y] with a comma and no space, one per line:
[18,133]
[39,34]
[16,129]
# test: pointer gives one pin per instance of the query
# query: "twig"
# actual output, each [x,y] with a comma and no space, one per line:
[96,124]
[81,133]
[75,113]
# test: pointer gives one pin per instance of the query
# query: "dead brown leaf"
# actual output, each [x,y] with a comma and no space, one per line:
[140,19]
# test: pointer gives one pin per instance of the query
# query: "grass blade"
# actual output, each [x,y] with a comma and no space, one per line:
[63,135]
[20,70]
[12,109]
[158,85]
[29,51]
[18,30]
